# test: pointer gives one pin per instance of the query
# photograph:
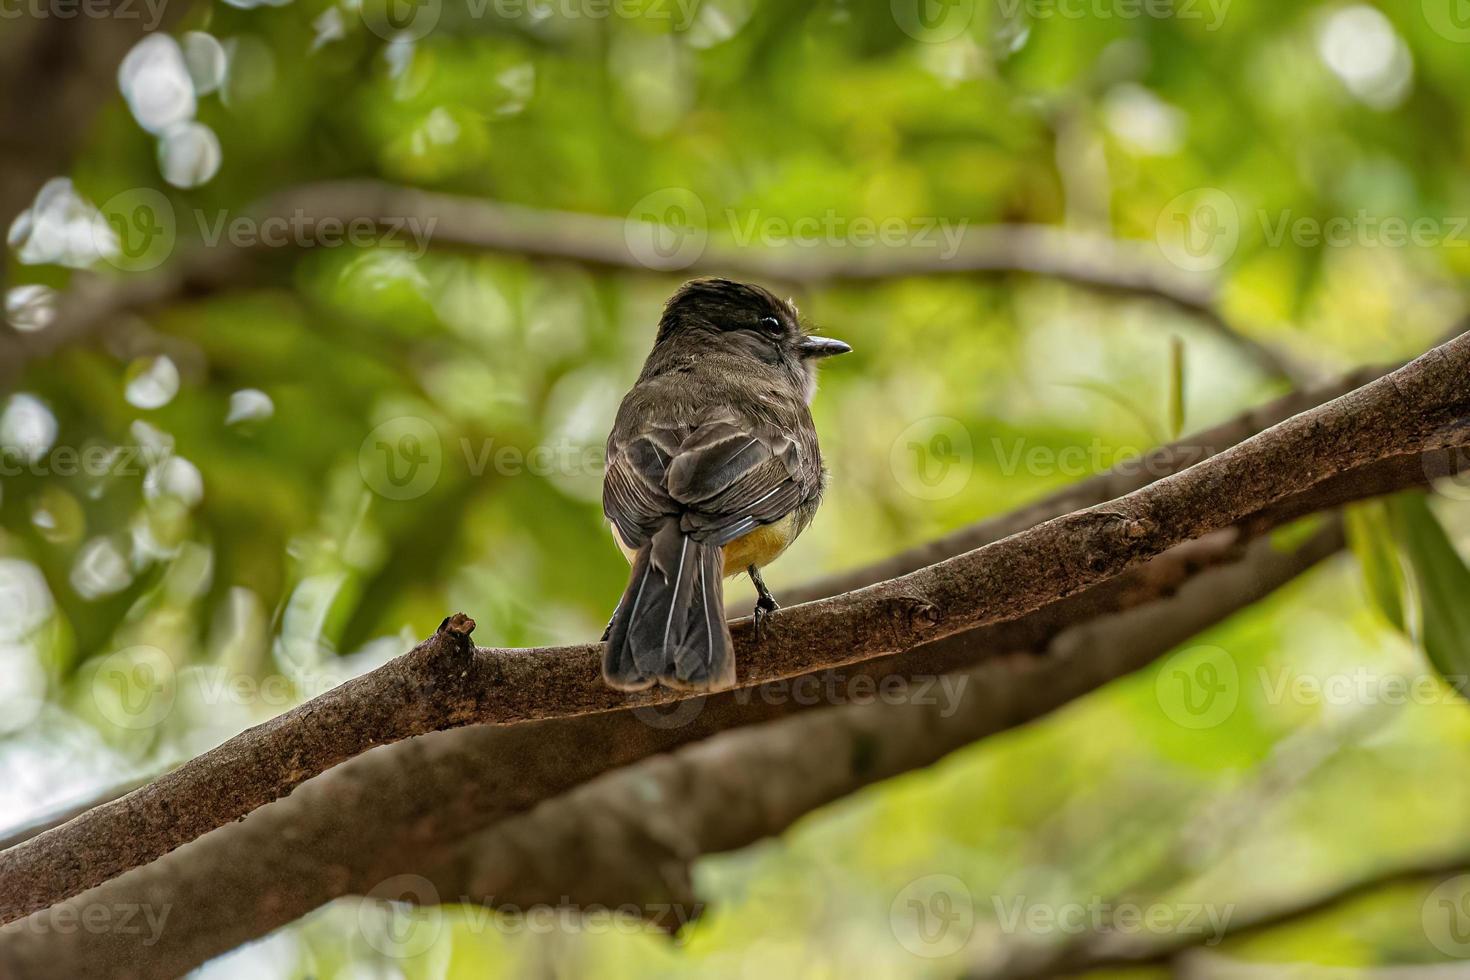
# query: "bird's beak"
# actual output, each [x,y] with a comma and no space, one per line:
[813,347]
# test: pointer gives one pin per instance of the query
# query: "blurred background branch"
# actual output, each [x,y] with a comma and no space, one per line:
[1088,260]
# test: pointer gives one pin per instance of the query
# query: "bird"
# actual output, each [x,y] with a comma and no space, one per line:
[712,470]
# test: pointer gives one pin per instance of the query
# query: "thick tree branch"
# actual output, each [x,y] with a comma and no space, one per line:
[55,818]
[1124,478]
[600,845]
[445,683]
[427,794]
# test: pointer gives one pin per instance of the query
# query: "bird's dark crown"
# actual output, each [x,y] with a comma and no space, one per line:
[724,305]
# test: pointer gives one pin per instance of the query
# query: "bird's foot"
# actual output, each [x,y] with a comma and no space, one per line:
[765,603]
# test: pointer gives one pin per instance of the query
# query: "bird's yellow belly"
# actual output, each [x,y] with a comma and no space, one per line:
[759,548]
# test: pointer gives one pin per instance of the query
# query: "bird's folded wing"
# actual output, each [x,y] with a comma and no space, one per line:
[723,478]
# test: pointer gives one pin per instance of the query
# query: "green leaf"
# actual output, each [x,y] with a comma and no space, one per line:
[1440,582]
[1176,387]
[1371,536]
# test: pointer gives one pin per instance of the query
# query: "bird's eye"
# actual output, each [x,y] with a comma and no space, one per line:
[770,324]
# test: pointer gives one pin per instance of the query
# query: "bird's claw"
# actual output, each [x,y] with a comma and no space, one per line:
[764,606]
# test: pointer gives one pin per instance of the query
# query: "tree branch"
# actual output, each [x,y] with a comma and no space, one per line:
[599,845]
[1096,262]
[1124,478]
[428,794]
[1117,950]
[446,683]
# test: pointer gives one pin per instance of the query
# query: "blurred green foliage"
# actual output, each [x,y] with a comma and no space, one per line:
[251,535]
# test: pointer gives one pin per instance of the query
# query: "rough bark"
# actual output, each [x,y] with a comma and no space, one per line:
[603,842]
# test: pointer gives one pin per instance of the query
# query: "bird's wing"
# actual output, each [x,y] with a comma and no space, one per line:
[731,476]
[633,494]
[722,478]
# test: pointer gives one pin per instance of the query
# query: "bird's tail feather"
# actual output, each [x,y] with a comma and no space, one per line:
[670,625]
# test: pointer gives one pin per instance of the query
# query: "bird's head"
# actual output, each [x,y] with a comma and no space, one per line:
[736,317]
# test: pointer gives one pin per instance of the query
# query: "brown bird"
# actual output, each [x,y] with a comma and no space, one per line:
[713,469]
